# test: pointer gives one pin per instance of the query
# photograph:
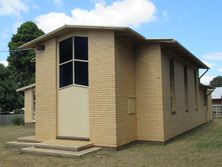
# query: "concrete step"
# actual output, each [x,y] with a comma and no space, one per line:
[30,139]
[55,152]
[20,144]
[67,145]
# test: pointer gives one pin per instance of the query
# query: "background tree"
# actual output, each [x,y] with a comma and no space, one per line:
[216,82]
[20,61]
[20,71]
[9,98]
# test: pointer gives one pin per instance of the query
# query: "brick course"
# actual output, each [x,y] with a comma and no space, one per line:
[120,68]
[102,94]
[125,87]
[175,124]
[149,105]
[46,92]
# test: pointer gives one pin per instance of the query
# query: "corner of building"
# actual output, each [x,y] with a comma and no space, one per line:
[149,108]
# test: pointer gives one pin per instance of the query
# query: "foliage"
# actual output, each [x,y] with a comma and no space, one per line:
[20,61]
[9,98]
[18,121]
[21,71]
[216,82]
[19,111]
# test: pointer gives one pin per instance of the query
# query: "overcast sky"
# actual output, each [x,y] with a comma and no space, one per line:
[194,23]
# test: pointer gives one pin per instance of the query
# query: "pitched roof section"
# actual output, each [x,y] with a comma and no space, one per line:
[25,88]
[170,43]
[66,28]
[178,48]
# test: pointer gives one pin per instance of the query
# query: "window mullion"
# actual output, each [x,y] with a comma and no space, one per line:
[65,62]
[73,59]
[86,61]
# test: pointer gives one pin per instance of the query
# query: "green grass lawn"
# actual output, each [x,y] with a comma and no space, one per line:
[201,147]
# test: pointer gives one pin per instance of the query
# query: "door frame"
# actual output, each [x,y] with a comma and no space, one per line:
[59,39]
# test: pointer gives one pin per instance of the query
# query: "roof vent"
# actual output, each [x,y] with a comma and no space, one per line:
[40,47]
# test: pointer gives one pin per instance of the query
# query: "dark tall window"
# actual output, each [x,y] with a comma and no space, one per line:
[81,73]
[81,48]
[195,88]
[205,98]
[66,74]
[172,85]
[73,59]
[186,89]
[65,50]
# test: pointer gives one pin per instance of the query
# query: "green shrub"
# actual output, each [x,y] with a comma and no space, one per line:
[18,111]
[18,121]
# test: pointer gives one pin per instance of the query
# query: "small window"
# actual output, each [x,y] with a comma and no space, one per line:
[34,97]
[65,50]
[131,105]
[81,48]
[66,74]
[172,85]
[81,73]
[33,104]
[205,98]
[186,89]
[195,88]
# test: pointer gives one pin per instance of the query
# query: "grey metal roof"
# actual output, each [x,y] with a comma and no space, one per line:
[169,43]
[177,47]
[67,28]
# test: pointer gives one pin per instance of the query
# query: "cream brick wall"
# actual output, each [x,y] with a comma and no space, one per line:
[149,104]
[102,94]
[118,69]
[175,124]
[28,116]
[125,87]
[102,98]
[46,101]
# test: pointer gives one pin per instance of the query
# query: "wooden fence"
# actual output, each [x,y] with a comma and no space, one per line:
[217,110]
[6,119]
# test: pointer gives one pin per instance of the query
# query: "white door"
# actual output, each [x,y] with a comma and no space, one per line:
[73,112]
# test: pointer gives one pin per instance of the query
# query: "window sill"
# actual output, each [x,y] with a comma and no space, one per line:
[131,113]
[173,112]
[73,85]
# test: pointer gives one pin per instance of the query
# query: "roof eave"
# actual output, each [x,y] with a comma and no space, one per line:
[32,44]
[198,60]
[25,88]
[173,41]
[206,86]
